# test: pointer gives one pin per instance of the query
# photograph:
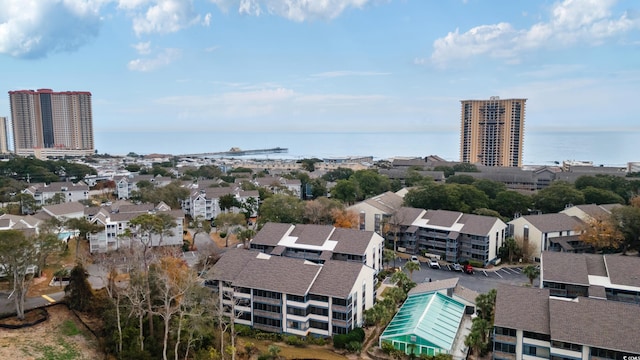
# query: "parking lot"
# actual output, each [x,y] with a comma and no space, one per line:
[482,280]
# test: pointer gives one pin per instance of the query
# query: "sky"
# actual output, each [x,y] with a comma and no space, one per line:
[326,65]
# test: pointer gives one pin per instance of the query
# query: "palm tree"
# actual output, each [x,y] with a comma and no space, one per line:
[388,256]
[532,273]
[411,267]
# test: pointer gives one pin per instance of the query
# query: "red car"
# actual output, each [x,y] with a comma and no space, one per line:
[468,269]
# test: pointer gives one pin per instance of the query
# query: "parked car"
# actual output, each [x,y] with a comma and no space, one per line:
[434,264]
[415,259]
[468,269]
[456,267]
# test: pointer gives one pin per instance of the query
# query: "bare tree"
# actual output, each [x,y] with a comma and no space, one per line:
[18,257]
[174,279]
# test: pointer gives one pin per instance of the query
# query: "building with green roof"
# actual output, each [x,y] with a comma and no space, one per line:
[427,323]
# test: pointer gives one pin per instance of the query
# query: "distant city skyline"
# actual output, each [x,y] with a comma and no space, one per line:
[337,65]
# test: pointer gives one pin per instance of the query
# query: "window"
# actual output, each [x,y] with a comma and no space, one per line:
[609,354]
[538,351]
[506,348]
[297,298]
[566,345]
[536,336]
[318,325]
[505,331]
[318,311]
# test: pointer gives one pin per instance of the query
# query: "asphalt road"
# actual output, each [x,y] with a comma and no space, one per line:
[481,281]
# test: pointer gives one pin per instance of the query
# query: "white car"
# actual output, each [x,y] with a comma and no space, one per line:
[415,259]
[456,267]
[434,264]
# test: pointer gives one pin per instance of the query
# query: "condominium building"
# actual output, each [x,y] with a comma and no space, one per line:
[450,235]
[48,123]
[292,296]
[5,133]
[491,131]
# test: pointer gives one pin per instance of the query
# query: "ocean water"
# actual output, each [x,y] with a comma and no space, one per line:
[614,148]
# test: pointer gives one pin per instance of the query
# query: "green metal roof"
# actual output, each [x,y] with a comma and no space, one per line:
[434,317]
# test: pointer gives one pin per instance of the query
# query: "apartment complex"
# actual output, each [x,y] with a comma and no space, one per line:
[585,309]
[290,295]
[453,236]
[47,123]
[491,131]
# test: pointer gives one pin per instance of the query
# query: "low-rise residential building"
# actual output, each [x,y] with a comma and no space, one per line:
[291,295]
[531,324]
[375,211]
[280,185]
[612,277]
[66,191]
[588,212]
[544,232]
[205,202]
[116,226]
[453,236]
[127,184]
[320,243]
[64,211]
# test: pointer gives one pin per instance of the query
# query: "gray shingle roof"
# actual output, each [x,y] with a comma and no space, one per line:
[594,322]
[311,234]
[387,202]
[337,278]
[554,222]
[565,268]
[623,270]
[523,308]
[477,224]
[351,241]
[255,270]
[271,234]
[444,218]
[65,208]
[406,215]
[437,285]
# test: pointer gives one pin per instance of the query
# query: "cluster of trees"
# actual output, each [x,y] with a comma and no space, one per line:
[16,173]
[481,196]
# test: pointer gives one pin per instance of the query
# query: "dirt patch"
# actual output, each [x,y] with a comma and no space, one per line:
[231,240]
[62,336]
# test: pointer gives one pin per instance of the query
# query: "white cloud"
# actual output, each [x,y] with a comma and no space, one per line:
[164,58]
[143,48]
[570,22]
[33,29]
[296,10]
[206,21]
[166,16]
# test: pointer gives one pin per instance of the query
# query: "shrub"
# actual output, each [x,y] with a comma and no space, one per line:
[244,330]
[293,341]
[354,346]
[340,341]
[316,340]
[357,334]
[387,347]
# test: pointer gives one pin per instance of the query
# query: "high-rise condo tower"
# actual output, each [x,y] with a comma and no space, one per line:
[491,131]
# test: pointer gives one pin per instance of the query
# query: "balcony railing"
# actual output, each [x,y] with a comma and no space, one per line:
[266,300]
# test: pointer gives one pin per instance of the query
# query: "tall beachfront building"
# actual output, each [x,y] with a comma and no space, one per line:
[47,123]
[491,131]
[5,135]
